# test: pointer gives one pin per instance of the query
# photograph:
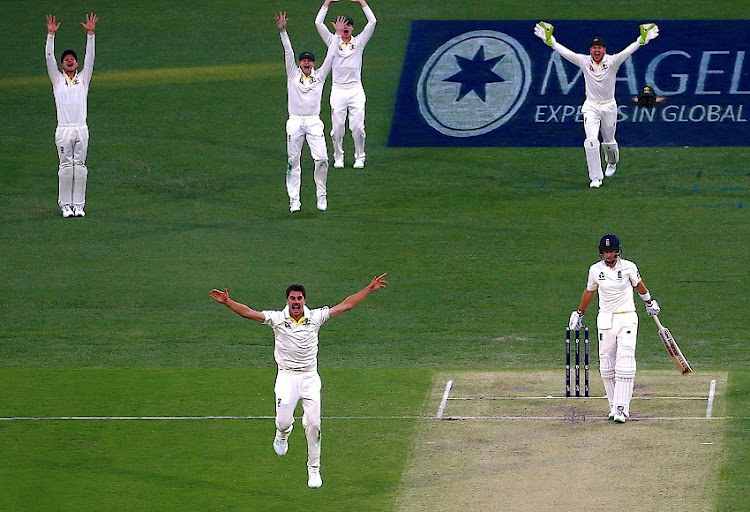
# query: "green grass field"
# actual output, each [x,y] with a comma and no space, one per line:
[486,251]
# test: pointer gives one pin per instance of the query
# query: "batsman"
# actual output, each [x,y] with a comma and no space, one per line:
[616,322]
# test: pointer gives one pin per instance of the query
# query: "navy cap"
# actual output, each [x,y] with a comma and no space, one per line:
[599,41]
[307,55]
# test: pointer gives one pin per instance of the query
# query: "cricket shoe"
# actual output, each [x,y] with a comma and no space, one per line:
[595,184]
[294,206]
[620,415]
[322,203]
[280,442]
[78,211]
[359,163]
[313,478]
[611,170]
[338,164]
[66,211]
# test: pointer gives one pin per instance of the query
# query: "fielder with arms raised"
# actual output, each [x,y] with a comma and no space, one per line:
[616,323]
[71,90]
[296,353]
[347,92]
[600,109]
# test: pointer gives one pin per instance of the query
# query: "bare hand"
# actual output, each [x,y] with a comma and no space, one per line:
[220,296]
[339,25]
[280,20]
[52,24]
[378,282]
[90,24]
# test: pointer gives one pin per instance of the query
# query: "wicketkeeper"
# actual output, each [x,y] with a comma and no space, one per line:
[616,323]
[600,109]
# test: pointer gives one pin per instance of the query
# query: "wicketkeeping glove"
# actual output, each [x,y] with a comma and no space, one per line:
[649,31]
[576,321]
[653,308]
[543,31]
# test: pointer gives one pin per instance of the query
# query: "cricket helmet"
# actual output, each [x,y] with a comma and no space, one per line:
[610,243]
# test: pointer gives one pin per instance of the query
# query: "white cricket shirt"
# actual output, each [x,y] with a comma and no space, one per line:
[599,78]
[71,95]
[303,92]
[615,285]
[296,344]
[347,66]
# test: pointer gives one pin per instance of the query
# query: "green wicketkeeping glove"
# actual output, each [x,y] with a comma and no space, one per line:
[649,31]
[543,31]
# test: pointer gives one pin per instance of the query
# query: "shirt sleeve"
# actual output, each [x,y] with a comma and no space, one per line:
[289,61]
[320,25]
[635,276]
[88,65]
[591,284]
[325,68]
[271,318]
[619,58]
[320,315]
[366,33]
[49,51]
[569,54]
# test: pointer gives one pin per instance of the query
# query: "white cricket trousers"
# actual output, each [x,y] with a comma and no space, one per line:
[618,334]
[598,117]
[72,146]
[351,100]
[299,129]
[290,388]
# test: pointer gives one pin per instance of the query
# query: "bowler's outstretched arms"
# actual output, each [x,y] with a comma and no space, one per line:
[351,301]
[222,296]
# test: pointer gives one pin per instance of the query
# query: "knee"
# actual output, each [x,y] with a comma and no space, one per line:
[591,143]
[65,170]
[312,425]
[283,424]
[80,170]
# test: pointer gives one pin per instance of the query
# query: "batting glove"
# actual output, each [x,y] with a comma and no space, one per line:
[576,321]
[653,308]
[543,31]
[649,31]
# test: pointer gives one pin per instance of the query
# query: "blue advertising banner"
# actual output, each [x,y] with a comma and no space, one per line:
[493,83]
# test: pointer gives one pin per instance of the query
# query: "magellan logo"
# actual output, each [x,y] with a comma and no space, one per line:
[474,83]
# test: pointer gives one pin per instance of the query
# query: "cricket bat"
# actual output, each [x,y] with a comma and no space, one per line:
[674,351]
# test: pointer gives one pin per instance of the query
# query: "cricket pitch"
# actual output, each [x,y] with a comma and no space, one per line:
[510,441]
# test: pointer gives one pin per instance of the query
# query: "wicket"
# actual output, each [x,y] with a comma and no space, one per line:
[578,362]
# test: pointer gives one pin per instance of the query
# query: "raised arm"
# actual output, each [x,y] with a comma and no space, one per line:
[222,297]
[544,31]
[320,23]
[351,301]
[289,61]
[369,28]
[49,47]
[88,63]
[325,68]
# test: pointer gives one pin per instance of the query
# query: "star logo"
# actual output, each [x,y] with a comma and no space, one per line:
[474,83]
[475,74]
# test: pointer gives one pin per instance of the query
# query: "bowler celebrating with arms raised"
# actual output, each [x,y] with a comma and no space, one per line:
[600,109]
[295,331]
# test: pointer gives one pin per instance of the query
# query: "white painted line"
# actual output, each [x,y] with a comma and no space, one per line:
[445,399]
[572,398]
[711,394]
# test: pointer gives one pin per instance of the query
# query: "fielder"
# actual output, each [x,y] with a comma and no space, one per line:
[347,92]
[304,86]
[71,90]
[616,323]
[296,353]
[600,109]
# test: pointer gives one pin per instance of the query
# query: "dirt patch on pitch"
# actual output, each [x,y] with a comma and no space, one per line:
[504,444]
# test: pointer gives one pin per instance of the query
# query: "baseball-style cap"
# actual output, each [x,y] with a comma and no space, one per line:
[599,41]
[66,53]
[307,55]
[349,20]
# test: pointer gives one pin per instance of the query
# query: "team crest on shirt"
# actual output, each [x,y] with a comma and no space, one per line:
[601,276]
[474,83]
